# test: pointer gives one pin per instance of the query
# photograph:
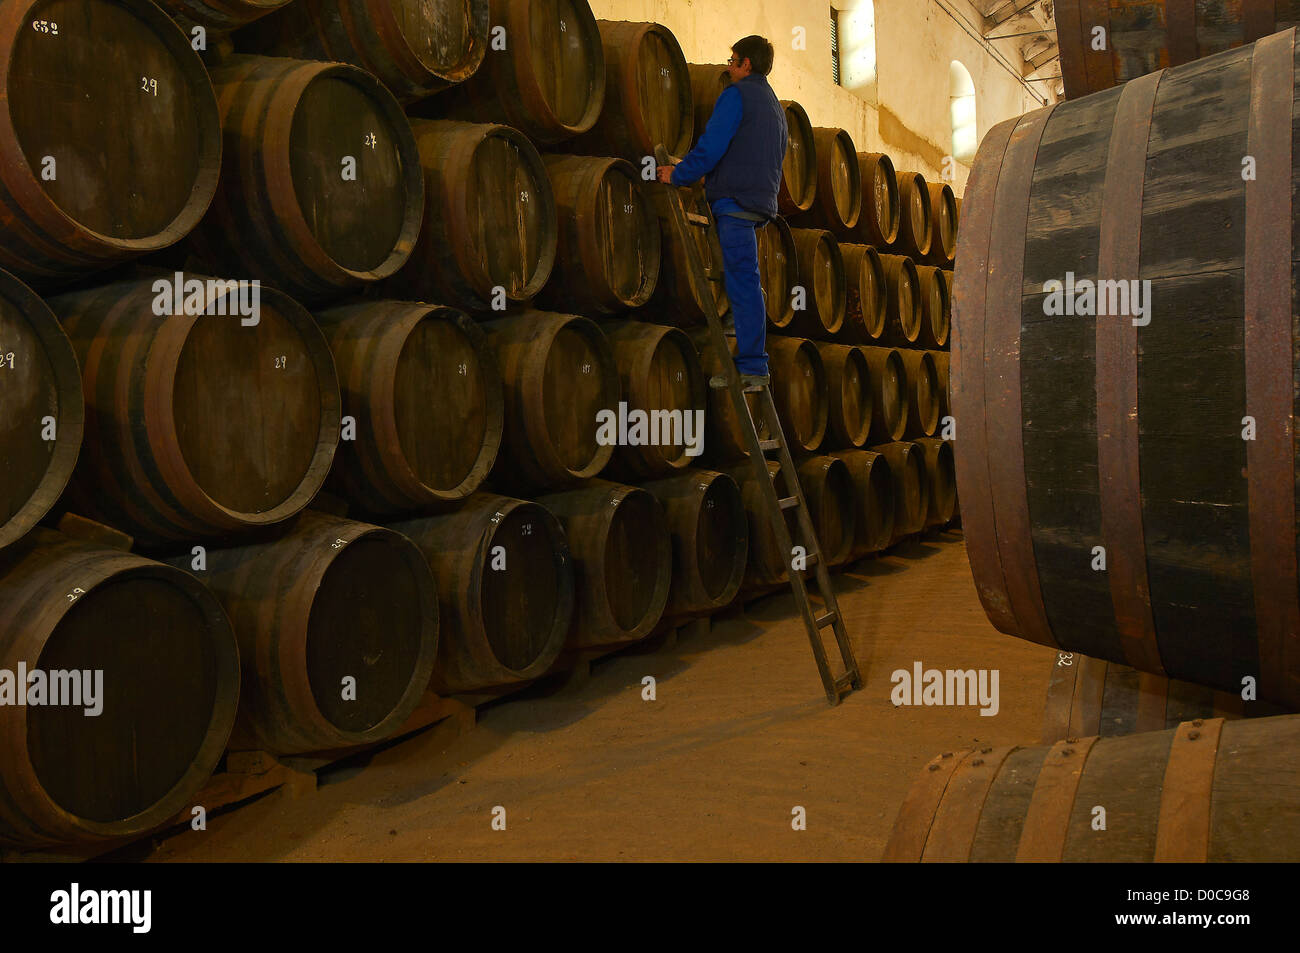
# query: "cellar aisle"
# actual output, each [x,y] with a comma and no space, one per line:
[739,735]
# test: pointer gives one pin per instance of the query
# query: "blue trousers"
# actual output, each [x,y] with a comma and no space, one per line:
[740,265]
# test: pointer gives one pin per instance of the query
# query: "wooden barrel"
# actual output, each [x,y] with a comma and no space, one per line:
[799,168]
[197,425]
[911,486]
[337,624]
[1208,790]
[661,376]
[423,388]
[878,224]
[800,390]
[778,269]
[922,393]
[865,300]
[902,301]
[915,216]
[1199,581]
[849,408]
[710,539]
[102,158]
[320,182]
[941,474]
[941,373]
[219,16]
[505,591]
[832,505]
[648,98]
[414,49]
[166,698]
[707,83]
[837,205]
[1089,697]
[674,300]
[607,257]
[482,244]
[890,401]
[559,372]
[821,275]
[873,500]
[623,562]
[943,224]
[724,437]
[936,309]
[551,86]
[1142,38]
[41,387]
[768,564]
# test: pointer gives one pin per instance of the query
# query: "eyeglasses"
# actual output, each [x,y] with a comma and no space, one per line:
[733,61]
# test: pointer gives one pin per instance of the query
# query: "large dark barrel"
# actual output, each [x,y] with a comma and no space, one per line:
[1088,696]
[838,202]
[911,486]
[799,168]
[943,224]
[40,390]
[864,302]
[110,143]
[1144,37]
[166,700]
[936,307]
[607,257]
[832,505]
[922,393]
[423,388]
[768,565]
[890,402]
[849,389]
[559,372]
[821,275]
[1200,558]
[873,500]
[320,181]
[879,222]
[415,49]
[337,624]
[674,300]
[710,539]
[778,269]
[647,95]
[548,82]
[1208,790]
[941,360]
[725,439]
[800,390]
[219,16]
[489,231]
[941,473]
[505,591]
[197,425]
[902,301]
[660,373]
[915,216]
[623,561]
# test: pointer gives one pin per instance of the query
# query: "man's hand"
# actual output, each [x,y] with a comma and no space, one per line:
[665,173]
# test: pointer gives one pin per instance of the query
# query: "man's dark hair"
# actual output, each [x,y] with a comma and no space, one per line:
[757,50]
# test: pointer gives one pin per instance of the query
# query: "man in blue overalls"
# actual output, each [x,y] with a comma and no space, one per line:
[741,152]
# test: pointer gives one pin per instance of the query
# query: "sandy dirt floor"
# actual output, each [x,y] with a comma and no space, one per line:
[739,735]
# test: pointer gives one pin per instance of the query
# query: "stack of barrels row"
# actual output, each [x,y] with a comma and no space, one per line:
[857,277]
[1157,556]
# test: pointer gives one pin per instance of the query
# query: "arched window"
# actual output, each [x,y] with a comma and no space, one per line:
[856,46]
[962,91]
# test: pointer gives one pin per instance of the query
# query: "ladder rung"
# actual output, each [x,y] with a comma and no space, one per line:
[810,560]
[844,684]
[697,219]
[790,502]
[766,445]
[753,388]
[828,619]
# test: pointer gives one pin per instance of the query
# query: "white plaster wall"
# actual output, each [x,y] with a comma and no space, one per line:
[915,42]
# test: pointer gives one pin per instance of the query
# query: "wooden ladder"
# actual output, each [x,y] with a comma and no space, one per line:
[669,206]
